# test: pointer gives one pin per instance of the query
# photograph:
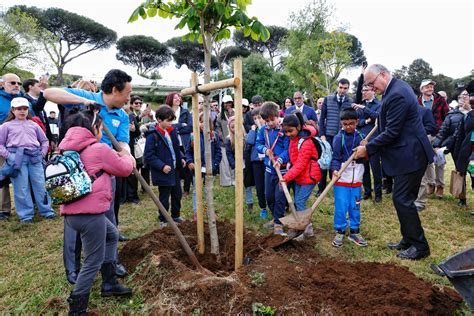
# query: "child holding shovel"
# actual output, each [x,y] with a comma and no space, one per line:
[303,156]
[272,141]
[347,189]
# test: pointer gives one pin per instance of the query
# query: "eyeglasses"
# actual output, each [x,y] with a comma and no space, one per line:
[465,94]
[348,123]
[138,102]
[13,83]
[373,81]
[298,98]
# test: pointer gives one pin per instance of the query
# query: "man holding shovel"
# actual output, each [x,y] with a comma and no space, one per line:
[114,94]
[405,152]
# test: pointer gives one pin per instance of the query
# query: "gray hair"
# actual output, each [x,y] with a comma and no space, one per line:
[378,68]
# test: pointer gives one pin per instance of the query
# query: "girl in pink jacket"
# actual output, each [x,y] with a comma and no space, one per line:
[87,215]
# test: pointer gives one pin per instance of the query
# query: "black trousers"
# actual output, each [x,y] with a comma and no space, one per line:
[405,192]
[373,164]
[164,197]
[324,173]
[120,195]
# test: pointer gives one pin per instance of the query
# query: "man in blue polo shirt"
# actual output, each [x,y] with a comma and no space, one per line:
[114,94]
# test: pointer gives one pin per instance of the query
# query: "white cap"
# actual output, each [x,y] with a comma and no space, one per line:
[17,102]
[245,102]
[426,82]
[227,98]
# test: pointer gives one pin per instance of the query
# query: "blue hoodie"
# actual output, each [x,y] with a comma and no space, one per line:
[278,142]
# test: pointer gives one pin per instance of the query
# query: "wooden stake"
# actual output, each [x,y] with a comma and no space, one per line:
[239,173]
[232,82]
[197,167]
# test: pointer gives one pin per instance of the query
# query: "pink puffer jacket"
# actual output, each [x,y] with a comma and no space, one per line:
[95,157]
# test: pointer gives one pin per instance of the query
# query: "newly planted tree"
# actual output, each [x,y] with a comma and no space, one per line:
[143,52]
[207,22]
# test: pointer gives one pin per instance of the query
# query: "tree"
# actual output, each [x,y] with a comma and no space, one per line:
[207,22]
[143,52]
[189,53]
[335,56]
[446,84]
[356,52]
[18,31]
[417,71]
[229,53]
[272,46]
[308,27]
[74,35]
[262,79]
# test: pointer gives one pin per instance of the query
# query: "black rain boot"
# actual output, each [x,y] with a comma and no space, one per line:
[110,285]
[78,304]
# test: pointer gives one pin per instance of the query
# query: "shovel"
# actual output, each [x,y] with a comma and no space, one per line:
[163,211]
[305,216]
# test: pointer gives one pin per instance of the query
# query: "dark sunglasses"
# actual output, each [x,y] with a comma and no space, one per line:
[15,83]
[137,102]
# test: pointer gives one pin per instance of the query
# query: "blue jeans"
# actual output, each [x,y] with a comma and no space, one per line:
[302,193]
[34,174]
[346,200]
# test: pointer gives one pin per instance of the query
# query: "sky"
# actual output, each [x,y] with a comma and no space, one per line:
[393,33]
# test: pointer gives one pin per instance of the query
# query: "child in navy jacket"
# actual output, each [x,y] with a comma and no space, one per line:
[272,141]
[256,161]
[347,189]
[163,155]
[216,155]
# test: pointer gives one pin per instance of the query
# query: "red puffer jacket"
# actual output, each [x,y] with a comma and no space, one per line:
[304,162]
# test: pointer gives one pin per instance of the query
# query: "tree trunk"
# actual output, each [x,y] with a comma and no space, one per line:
[59,82]
[211,215]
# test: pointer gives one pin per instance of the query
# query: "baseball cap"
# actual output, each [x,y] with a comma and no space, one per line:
[426,82]
[227,98]
[17,102]
[245,102]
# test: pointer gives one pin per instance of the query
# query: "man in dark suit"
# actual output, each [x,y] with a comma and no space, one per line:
[405,151]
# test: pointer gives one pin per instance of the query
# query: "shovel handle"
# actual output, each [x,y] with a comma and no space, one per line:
[155,199]
[285,190]
[343,167]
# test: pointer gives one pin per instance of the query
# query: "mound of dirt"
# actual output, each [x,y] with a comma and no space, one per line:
[291,279]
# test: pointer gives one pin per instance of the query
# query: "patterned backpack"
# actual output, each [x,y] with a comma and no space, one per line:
[66,177]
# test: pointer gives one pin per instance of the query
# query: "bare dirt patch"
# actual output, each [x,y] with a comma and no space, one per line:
[291,279]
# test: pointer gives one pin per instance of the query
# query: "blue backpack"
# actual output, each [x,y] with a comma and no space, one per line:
[324,151]
[66,178]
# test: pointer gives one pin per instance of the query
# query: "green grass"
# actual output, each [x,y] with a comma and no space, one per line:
[32,276]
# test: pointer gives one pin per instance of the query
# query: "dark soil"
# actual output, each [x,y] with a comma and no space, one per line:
[291,279]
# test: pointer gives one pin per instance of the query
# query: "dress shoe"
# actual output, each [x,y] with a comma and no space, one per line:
[122,237]
[398,245]
[120,270]
[413,254]
[367,196]
[419,208]
[378,199]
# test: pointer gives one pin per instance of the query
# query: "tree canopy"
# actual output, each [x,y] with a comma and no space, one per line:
[189,53]
[143,52]
[272,46]
[262,79]
[73,35]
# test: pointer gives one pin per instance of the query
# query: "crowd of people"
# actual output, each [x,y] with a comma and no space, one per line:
[160,144]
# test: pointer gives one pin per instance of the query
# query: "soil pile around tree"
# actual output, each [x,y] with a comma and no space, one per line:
[292,279]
